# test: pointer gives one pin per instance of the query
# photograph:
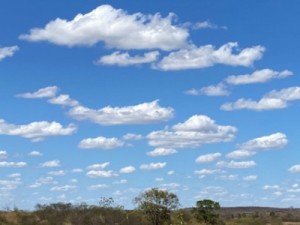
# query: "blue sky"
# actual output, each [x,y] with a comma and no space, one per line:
[110,98]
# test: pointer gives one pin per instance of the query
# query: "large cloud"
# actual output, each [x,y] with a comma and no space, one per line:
[207,56]
[194,132]
[7,52]
[145,113]
[272,100]
[116,28]
[36,130]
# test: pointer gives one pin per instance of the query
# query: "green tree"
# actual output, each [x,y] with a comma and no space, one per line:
[207,211]
[157,205]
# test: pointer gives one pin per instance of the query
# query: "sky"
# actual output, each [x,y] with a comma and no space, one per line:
[111,98]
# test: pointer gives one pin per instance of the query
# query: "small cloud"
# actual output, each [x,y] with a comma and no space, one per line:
[212,90]
[236,164]
[63,188]
[3,154]
[127,169]
[13,164]
[63,100]
[53,163]
[162,152]
[97,187]
[57,173]
[207,25]
[132,137]
[171,172]
[295,169]
[8,52]
[153,166]
[124,59]
[101,173]
[98,166]
[208,158]
[47,92]
[101,143]
[240,154]
[35,153]
[250,178]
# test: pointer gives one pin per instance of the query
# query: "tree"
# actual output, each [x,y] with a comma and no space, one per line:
[157,205]
[206,211]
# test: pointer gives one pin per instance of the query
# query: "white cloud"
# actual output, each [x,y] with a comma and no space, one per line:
[123,181]
[8,52]
[212,90]
[124,59]
[36,131]
[194,132]
[98,166]
[3,154]
[8,185]
[206,171]
[132,137]
[171,172]
[260,76]
[230,177]
[43,181]
[295,169]
[271,187]
[47,92]
[250,178]
[35,153]
[63,188]
[272,141]
[207,56]
[101,173]
[116,28]
[239,154]
[127,169]
[77,170]
[207,25]
[236,164]
[13,164]
[57,173]
[153,166]
[272,100]
[208,158]
[52,163]
[98,187]
[145,113]
[63,100]
[162,152]
[15,175]
[101,143]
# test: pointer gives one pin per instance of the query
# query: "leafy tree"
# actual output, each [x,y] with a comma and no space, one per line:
[206,211]
[157,205]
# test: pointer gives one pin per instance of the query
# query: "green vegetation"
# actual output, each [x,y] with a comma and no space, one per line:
[154,207]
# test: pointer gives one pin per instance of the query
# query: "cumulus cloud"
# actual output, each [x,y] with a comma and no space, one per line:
[98,166]
[153,166]
[8,52]
[194,132]
[236,164]
[239,154]
[212,90]
[127,169]
[272,141]
[52,163]
[273,100]
[98,187]
[162,152]
[271,187]
[208,158]
[101,173]
[35,153]
[145,113]
[115,27]
[8,185]
[132,137]
[207,25]
[260,76]
[124,59]
[63,100]
[101,143]
[3,154]
[295,169]
[250,178]
[206,171]
[63,188]
[36,130]
[13,164]
[47,92]
[207,56]
[57,173]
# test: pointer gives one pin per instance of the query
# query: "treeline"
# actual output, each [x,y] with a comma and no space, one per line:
[153,207]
